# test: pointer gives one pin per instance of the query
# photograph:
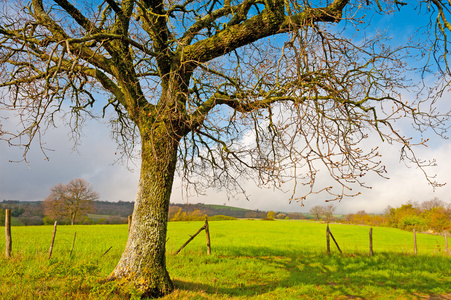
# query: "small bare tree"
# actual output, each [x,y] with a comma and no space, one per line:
[71,201]
[317,211]
[328,212]
[433,203]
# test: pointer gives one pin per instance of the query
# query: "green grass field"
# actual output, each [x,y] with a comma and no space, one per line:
[250,260]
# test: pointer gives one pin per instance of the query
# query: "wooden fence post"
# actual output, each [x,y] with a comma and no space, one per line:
[335,241]
[207,232]
[446,242]
[415,241]
[371,241]
[191,238]
[8,248]
[73,244]
[53,239]
[129,220]
[106,251]
[328,239]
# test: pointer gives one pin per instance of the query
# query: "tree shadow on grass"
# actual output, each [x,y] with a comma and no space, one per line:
[317,275]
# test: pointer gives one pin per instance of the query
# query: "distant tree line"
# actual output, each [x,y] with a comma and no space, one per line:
[190,212]
[23,213]
[195,212]
[32,213]
[325,212]
[120,208]
[177,214]
[213,210]
[432,215]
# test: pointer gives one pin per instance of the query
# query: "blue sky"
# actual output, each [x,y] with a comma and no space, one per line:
[94,160]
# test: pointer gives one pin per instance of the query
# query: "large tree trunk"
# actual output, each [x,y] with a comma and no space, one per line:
[142,266]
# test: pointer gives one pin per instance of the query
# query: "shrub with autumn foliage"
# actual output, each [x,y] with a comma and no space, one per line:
[180,215]
[433,215]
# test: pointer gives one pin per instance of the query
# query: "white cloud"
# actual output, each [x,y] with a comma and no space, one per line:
[93,160]
[405,183]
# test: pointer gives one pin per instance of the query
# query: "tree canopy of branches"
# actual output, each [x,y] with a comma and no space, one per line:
[326,211]
[268,90]
[70,202]
[329,212]
[317,211]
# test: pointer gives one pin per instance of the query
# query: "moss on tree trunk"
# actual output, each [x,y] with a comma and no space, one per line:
[142,267]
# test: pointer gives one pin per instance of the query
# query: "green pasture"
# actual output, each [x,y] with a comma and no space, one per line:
[251,259]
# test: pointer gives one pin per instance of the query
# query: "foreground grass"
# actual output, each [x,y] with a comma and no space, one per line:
[251,260]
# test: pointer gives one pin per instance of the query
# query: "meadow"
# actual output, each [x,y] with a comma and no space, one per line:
[251,259]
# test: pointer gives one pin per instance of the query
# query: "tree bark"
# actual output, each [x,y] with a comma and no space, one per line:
[142,267]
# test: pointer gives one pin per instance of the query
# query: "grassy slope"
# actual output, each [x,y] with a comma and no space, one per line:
[251,260]
[224,207]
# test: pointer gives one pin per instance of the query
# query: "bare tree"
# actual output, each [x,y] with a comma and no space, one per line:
[71,201]
[433,203]
[201,87]
[328,212]
[317,211]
